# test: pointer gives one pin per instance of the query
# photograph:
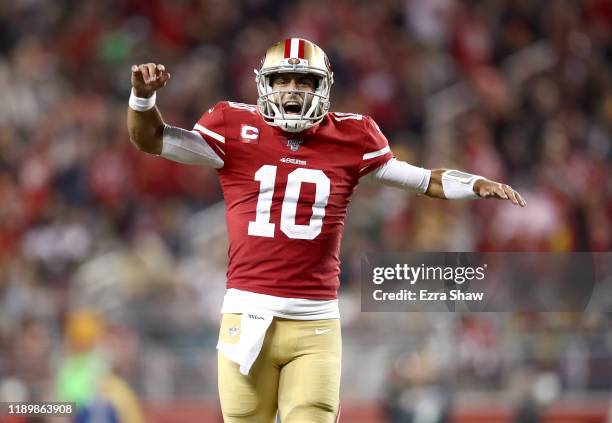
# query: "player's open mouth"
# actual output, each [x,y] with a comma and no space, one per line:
[292,108]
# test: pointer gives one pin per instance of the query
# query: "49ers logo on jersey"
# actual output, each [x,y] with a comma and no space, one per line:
[249,134]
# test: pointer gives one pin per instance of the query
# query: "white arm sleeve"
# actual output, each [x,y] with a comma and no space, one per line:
[402,175]
[183,146]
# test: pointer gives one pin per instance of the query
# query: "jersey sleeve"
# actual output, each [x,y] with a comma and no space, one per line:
[211,126]
[376,151]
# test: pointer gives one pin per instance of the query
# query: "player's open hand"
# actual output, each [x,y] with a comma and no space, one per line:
[148,78]
[491,189]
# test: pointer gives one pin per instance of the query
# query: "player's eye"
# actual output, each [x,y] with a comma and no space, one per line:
[306,82]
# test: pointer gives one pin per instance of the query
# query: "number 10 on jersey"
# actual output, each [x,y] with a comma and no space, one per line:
[266,175]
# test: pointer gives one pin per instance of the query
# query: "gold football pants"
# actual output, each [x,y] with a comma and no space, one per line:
[297,373]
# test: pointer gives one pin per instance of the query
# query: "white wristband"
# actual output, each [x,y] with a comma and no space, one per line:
[142,104]
[459,185]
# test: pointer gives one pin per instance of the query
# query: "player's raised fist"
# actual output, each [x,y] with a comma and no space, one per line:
[148,78]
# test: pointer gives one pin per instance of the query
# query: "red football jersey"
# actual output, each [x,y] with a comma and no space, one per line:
[286,196]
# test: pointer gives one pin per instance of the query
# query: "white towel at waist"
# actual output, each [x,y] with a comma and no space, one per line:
[253,328]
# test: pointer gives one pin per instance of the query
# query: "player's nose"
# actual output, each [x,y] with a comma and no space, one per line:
[293,93]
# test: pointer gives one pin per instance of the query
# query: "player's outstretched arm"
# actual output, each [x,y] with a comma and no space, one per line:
[145,123]
[443,183]
[453,184]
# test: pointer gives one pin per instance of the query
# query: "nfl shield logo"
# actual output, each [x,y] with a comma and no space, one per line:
[294,145]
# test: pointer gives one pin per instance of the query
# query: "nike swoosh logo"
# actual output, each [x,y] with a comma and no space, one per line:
[321,331]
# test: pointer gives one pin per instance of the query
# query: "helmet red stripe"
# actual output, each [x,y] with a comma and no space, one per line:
[287,48]
[301,49]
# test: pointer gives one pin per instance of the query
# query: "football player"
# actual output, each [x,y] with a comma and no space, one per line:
[287,167]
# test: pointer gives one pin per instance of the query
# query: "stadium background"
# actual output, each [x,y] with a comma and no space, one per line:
[117,256]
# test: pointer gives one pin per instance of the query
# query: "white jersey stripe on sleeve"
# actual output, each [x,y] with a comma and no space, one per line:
[295,47]
[203,139]
[373,154]
[210,133]
[184,146]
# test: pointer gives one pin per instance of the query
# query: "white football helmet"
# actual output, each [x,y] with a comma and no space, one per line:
[294,55]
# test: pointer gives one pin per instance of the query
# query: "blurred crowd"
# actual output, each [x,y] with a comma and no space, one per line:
[516,90]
